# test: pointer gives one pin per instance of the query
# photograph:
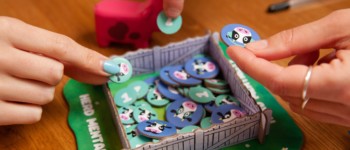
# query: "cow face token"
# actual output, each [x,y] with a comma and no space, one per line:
[125,97]
[156,129]
[140,87]
[202,68]
[164,76]
[200,94]
[155,98]
[226,99]
[179,75]
[183,113]
[144,113]
[126,114]
[168,91]
[226,113]
[131,131]
[210,107]
[125,71]
[168,25]
[239,35]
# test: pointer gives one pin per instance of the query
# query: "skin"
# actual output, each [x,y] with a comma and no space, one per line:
[173,8]
[329,84]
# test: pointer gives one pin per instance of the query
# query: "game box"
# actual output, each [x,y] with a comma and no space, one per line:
[254,125]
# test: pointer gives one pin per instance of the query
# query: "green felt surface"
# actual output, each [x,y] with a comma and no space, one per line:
[283,131]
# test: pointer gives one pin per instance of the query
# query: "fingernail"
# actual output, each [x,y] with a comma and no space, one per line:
[110,67]
[257,45]
[173,12]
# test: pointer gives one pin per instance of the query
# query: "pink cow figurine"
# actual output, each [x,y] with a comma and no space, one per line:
[126,22]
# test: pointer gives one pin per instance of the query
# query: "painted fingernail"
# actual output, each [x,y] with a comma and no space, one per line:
[110,67]
[257,45]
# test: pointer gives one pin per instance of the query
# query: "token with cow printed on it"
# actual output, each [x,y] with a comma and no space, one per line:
[169,92]
[239,35]
[125,70]
[179,75]
[202,68]
[155,98]
[183,113]
[131,131]
[126,114]
[164,76]
[144,113]
[156,129]
[226,113]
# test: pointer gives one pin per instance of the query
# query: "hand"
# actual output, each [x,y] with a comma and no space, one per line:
[329,86]
[32,62]
[173,8]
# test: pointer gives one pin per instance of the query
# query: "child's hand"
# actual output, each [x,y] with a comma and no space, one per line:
[32,62]
[173,8]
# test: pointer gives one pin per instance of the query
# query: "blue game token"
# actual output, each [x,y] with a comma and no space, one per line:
[179,75]
[183,113]
[125,97]
[156,129]
[226,99]
[125,71]
[202,68]
[144,113]
[164,76]
[239,35]
[151,80]
[140,87]
[131,131]
[168,91]
[210,107]
[139,141]
[155,98]
[226,113]
[126,114]
[168,25]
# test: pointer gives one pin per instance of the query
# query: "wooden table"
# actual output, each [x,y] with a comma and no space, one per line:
[75,19]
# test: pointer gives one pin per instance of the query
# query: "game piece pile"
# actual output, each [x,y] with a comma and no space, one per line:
[192,95]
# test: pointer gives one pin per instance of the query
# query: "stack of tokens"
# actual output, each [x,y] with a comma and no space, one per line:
[190,96]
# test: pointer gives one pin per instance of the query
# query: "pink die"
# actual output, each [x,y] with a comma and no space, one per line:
[126,22]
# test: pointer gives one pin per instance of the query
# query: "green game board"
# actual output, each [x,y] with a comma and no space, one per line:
[92,123]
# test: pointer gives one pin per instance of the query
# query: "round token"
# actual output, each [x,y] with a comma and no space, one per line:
[126,114]
[210,107]
[144,113]
[183,113]
[168,91]
[219,91]
[131,131]
[156,129]
[188,129]
[239,35]
[164,76]
[216,83]
[141,103]
[206,123]
[226,99]
[151,80]
[140,87]
[139,141]
[226,113]
[200,94]
[155,98]
[202,68]
[179,75]
[125,71]
[125,97]
[168,25]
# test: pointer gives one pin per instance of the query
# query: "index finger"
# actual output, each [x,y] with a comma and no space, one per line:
[173,8]
[62,48]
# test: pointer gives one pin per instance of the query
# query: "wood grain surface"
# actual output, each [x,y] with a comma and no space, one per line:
[75,19]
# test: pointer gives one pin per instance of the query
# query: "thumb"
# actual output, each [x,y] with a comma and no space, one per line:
[173,8]
[323,33]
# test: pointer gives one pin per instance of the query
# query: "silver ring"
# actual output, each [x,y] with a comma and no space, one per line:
[306,85]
